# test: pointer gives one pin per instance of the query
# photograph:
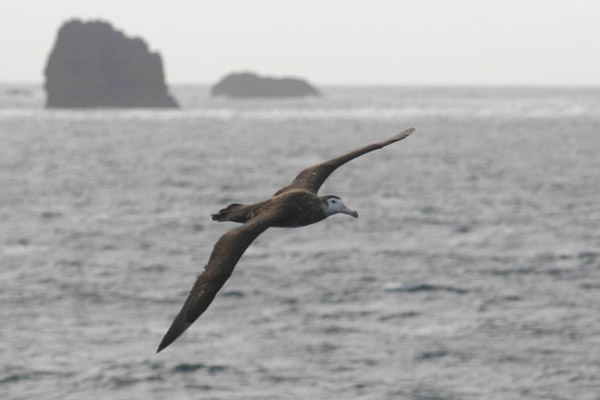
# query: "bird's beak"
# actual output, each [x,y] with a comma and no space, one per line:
[346,210]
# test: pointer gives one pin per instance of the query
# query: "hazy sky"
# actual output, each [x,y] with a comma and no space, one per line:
[535,42]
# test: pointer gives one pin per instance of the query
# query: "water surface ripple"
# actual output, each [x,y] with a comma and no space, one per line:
[472,273]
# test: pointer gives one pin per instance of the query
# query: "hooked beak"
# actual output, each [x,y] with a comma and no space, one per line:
[346,210]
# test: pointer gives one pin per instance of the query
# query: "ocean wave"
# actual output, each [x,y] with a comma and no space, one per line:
[29,375]
[188,367]
[422,287]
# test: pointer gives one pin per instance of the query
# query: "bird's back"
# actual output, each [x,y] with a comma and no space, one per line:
[297,207]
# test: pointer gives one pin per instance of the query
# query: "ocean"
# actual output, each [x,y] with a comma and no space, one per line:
[473,271]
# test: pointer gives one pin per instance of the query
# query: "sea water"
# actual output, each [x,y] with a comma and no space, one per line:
[473,271]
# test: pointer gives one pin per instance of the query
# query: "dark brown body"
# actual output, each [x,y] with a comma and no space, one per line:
[296,207]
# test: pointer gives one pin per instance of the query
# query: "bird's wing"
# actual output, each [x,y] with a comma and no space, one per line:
[225,255]
[313,177]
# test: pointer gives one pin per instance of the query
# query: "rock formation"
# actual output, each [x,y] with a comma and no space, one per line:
[94,65]
[248,85]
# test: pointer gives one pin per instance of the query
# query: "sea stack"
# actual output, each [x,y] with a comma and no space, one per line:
[94,65]
[250,85]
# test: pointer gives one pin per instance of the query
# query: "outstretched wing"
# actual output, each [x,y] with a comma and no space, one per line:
[225,255]
[313,177]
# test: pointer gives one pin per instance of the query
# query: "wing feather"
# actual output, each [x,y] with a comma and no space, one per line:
[313,177]
[225,255]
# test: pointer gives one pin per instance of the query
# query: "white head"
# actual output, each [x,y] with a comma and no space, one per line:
[334,205]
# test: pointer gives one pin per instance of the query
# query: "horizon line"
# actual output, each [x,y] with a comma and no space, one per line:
[383,85]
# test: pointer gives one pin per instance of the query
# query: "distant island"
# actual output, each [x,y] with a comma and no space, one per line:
[250,85]
[94,65]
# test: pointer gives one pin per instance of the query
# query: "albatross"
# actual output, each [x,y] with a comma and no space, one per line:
[295,205]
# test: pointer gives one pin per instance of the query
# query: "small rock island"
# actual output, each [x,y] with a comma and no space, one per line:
[250,85]
[94,65]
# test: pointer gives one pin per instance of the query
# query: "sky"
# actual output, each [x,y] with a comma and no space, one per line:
[375,42]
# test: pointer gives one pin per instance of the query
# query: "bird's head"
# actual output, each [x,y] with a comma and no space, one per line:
[334,205]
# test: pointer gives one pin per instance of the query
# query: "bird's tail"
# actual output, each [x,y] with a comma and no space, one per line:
[231,213]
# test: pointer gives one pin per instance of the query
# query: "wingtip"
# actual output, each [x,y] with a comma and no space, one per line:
[167,340]
[161,347]
[403,134]
[177,328]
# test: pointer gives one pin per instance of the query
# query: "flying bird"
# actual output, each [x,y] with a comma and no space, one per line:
[292,206]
